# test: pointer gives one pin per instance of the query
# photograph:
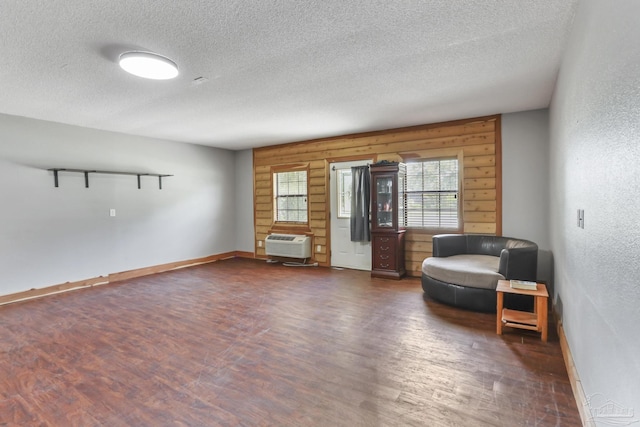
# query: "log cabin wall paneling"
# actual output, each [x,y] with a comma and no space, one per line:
[477,141]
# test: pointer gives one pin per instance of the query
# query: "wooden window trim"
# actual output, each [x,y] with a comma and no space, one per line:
[426,155]
[285,226]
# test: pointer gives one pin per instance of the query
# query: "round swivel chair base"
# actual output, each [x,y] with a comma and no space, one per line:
[476,299]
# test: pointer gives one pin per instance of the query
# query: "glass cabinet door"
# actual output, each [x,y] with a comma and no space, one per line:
[402,219]
[384,191]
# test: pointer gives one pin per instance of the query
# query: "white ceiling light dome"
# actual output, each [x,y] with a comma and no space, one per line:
[148,65]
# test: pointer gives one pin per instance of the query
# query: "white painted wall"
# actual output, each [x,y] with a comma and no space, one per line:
[53,235]
[245,229]
[595,166]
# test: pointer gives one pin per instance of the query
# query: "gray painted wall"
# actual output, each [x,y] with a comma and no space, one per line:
[595,166]
[53,235]
[244,201]
[525,183]
[525,170]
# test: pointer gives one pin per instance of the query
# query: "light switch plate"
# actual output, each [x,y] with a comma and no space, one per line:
[581,218]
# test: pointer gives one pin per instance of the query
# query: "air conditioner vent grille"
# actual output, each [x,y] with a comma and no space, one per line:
[288,245]
[287,238]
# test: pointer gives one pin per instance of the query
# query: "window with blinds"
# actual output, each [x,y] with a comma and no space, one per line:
[432,195]
[290,193]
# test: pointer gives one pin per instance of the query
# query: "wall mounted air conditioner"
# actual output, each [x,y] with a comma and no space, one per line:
[288,245]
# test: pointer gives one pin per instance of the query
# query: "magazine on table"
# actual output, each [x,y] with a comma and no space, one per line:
[523,284]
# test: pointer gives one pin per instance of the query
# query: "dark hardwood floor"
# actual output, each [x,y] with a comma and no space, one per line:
[244,343]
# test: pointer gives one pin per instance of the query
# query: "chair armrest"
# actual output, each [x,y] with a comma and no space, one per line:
[449,244]
[519,263]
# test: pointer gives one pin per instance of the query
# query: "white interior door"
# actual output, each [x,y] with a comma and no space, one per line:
[344,252]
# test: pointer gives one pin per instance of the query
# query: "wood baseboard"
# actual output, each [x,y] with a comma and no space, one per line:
[576,384]
[241,254]
[116,277]
[52,290]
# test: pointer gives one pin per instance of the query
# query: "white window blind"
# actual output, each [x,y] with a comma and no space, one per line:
[290,191]
[432,197]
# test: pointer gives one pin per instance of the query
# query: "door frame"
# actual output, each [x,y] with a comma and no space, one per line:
[327,166]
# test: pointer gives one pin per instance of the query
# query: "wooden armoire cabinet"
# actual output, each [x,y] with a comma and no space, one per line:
[388,219]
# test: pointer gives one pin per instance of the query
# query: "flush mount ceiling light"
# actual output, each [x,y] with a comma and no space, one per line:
[148,65]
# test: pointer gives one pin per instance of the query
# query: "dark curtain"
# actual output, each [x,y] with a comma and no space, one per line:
[360,200]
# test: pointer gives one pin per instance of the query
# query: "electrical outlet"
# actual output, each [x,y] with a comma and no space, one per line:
[318,248]
[112,212]
[259,243]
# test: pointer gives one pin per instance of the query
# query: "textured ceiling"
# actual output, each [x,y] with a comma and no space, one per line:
[278,70]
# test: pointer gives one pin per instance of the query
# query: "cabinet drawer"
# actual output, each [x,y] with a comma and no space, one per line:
[385,261]
[384,243]
[385,252]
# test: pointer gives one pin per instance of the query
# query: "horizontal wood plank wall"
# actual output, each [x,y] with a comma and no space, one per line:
[478,138]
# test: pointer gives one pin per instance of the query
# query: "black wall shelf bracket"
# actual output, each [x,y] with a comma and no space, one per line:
[86,173]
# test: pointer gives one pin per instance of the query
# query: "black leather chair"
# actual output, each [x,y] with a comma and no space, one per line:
[518,259]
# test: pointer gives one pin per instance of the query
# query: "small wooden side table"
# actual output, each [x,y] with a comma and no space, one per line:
[536,321]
